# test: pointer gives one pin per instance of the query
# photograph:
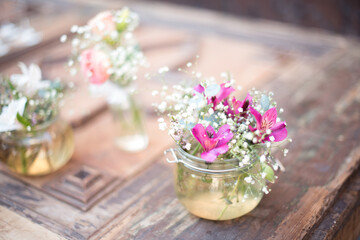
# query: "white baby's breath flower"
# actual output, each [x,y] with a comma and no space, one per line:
[248,179]
[63,38]
[187,146]
[272,138]
[162,106]
[286,151]
[163,70]
[246,160]
[162,126]
[262,158]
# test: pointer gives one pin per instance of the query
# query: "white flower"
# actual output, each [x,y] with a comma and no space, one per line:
[187,146]
[262,158]
[8,115]
[162,126]
[63,38]
[163,69]
[246,159]
[272,138]
[248,179]
[29,82]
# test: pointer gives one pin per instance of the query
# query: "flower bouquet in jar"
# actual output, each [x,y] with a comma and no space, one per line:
[109,57]
[34,140]
[224,156]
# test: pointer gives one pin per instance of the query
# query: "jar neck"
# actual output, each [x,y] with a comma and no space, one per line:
[216,167]
[37,131]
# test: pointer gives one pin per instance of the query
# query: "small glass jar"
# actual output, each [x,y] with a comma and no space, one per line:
[217,191]
[129,123]
[40,151]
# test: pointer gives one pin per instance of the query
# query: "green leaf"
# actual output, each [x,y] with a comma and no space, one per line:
[24,121]
[270,176]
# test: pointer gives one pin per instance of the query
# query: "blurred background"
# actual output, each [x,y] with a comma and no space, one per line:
[339,16]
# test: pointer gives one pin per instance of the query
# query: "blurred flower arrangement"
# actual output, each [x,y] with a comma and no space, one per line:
[27,101]
[29,121]
[212,130]
[109,57]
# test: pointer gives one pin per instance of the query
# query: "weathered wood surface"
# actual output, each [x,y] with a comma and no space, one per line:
[316,79]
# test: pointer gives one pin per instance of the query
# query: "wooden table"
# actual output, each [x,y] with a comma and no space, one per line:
[315,77]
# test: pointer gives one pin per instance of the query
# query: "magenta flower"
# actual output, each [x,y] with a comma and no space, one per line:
[199,88]
[268,122]
[222,94]
[214,143]
[240,107]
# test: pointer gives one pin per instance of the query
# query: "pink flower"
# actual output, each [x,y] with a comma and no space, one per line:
[268,122]
[102,24]
[199,88]
[95,65]
[240,107]
[213,143]
[222,94]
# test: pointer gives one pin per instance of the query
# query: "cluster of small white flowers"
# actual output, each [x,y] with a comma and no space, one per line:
[125,64]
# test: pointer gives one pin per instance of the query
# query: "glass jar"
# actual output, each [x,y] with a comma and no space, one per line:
[129,123]
[217,191]
[40,151]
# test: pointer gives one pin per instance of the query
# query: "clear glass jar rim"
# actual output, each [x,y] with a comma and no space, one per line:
[192,157]
[39,127]
[220,166]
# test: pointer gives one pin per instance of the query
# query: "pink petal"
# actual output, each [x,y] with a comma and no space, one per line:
[224,92]
[210,143]
[224,135]
[223,129]
[199,88]
[270,117]
[257,116]
[249,98]
[279,134]
[200,134]
[210,130]
[252,129]
[278,126]
[211,155]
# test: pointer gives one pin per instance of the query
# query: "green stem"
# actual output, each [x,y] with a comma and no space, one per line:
[230,196]
[196,149]
[23,159]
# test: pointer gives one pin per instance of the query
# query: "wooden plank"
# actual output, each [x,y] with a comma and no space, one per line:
[342,219]
[25,229]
